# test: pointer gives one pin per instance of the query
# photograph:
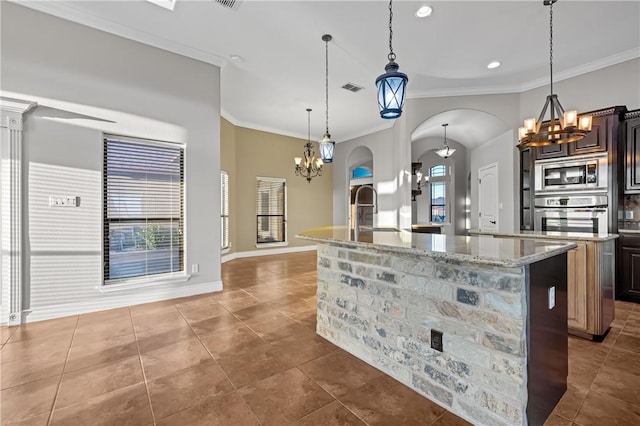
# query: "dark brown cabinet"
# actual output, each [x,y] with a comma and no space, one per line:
[632,154]
[598,139]
[628,287]
[552,151]
[526,190]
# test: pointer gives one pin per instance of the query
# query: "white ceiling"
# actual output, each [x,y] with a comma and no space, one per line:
[283,71]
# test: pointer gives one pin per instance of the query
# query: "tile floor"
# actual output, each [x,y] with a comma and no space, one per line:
[249,356]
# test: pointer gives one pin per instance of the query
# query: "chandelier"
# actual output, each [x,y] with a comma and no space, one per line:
[309,166]
[326,145]
[445,152]
[564,126]
[392,84]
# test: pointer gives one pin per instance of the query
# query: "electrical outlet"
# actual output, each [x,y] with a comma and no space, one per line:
[436,340]
[552,297]
[195,268]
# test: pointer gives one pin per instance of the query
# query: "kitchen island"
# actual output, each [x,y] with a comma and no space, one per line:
[476,324]
[590,279]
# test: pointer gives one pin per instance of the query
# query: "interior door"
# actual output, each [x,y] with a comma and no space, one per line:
[488,198]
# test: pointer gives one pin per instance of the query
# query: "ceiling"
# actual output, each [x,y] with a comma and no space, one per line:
[282,71]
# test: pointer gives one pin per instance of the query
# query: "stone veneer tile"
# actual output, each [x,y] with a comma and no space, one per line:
[469,297]
[385,317]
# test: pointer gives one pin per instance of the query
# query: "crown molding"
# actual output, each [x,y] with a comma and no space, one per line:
[598,64]
[253,126]
[618,58]
[67,12]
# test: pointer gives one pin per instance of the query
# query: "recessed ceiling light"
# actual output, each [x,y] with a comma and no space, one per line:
[493,64]
[424,11]
[236,58]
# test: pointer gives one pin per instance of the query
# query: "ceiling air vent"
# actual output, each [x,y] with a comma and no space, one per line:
[352,87]
[229,4]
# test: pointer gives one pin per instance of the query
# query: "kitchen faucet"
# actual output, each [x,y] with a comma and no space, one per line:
[356,229]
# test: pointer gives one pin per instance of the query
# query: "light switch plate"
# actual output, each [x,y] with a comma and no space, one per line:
[552,297]
[63,201]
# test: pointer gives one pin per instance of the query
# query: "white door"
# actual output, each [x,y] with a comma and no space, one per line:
[488,197]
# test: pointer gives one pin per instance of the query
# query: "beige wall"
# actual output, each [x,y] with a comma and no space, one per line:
[246,154]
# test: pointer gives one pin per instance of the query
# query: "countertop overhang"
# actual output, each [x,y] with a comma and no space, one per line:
[551,235]
[485,250]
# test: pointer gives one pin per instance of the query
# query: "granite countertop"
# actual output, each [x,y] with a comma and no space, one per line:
[427,225]
[486,250]
[551,235]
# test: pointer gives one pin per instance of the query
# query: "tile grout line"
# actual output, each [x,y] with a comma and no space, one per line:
[64,368]
[144,375]
[332,395]
[235,389]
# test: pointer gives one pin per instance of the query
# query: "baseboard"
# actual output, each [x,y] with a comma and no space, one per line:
[265,252]
[114,300]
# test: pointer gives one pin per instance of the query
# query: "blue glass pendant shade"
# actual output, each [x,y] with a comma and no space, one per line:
[327,147]
[391,90]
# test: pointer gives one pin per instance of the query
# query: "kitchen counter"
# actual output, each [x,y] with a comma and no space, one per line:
[507,252]
[559,236]
[476,324]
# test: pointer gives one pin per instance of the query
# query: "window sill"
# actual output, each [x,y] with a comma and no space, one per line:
[269,245]
[135,283]
[226,250]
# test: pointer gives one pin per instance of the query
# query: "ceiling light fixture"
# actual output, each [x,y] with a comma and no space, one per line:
[392,84]
[493,64]
[327,144]
[445,152]
[567,126]
[312,166]
[424,11]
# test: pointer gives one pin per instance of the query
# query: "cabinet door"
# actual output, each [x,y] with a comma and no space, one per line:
[630,263]
[597,140]
[632,160]
[526,193]
[552,151]
[577,287]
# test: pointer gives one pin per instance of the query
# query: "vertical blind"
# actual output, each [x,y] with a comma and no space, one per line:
[270,210]
[224,209]
[143,208]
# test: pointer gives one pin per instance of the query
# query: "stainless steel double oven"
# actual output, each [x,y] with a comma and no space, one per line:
[571,194]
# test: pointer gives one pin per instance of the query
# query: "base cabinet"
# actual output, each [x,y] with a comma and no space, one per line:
[629,269]
[577,287]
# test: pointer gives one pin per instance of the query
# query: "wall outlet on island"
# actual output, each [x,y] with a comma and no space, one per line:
[436,340]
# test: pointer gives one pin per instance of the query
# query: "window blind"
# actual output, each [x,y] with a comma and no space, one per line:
[224,209]
[143,208]
[270,210]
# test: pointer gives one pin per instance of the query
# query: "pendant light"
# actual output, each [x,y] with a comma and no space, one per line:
[564,126]
[327,145]
[392,84]
[311,166]
[445,152]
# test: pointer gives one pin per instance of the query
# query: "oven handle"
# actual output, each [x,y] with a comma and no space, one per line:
[565,210]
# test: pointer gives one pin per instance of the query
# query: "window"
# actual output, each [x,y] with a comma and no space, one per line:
[224,210]
[270,210]
[361,172]
[143,208]
[438,182]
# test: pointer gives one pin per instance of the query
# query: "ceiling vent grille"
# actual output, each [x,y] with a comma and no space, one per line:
[229,4]
[352,87]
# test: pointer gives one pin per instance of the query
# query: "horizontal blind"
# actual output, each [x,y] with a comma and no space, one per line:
[270,210]
[224,209]
[143,208]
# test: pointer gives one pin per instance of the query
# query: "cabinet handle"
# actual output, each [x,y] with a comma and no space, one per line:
[493,222]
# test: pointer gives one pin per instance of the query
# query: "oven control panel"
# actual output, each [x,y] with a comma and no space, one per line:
[572,201]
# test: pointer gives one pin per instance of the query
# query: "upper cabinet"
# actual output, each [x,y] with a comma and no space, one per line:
[602,138]
[632,154]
